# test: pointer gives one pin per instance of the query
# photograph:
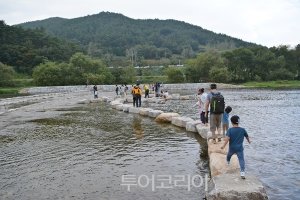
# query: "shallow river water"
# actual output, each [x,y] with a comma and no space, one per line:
[272,119]
[94,152]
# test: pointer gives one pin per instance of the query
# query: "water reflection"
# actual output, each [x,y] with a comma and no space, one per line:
[137,127]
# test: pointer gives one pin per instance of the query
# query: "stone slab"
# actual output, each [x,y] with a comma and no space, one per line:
[166,117]
[154,113]
[119,107]
[191,125]
[181,121]
[144,111]
[126,108]
[232,187]
[202,130]
[218,164]
[134,110]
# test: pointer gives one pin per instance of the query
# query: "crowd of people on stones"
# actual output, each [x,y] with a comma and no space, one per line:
[212,104]
[212,110]
[137,91]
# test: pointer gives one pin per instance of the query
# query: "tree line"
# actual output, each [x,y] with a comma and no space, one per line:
[53,61]
[235,66]
[245,64]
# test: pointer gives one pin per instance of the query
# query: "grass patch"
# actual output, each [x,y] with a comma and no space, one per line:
[54,122]
[17,85]
[9,90]
[23,82]
[152,79]
[274,84]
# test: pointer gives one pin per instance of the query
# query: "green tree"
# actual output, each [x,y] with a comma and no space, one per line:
[6,75]
[128,75]
[297,55]
[175,75]
[48,73]
[82,69]
[240,63]
[26,48]
[282,74]
[82,66]
[220,75]
[105,73]
[264,62]
[198,69]
[95,79]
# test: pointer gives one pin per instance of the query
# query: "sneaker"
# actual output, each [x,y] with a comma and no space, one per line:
[243,175]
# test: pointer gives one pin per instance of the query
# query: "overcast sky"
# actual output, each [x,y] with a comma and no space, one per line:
[266,22]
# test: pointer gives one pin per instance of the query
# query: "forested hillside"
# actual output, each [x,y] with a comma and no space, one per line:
[106,48]
[110,34]
[25,48]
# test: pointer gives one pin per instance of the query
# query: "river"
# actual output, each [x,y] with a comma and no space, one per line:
[271,118]
[94,152]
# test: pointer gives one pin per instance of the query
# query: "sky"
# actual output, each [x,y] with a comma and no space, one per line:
[266,22]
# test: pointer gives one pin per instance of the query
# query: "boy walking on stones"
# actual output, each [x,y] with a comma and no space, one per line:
[235,136]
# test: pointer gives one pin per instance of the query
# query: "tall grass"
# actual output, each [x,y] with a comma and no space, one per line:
[282,84]
[16,86]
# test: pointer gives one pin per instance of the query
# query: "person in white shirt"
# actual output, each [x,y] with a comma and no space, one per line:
[165,94]
[202,96]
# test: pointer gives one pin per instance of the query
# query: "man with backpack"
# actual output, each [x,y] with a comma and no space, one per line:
[216,102]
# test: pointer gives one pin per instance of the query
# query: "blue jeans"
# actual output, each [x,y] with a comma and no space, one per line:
[240,155]
[138,100]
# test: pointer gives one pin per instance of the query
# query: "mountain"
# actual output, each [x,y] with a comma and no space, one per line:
[24,49]
[115,34]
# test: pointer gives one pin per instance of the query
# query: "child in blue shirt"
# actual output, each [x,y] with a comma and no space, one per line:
[225,119]
[235,136]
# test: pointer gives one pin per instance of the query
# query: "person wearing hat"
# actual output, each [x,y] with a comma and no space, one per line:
[235,136]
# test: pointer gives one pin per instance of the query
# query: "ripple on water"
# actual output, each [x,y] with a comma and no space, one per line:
[83,155]
[271,118]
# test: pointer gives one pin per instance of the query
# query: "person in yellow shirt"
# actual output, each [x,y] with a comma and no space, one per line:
[137,96]
[146,89]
